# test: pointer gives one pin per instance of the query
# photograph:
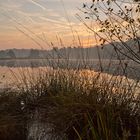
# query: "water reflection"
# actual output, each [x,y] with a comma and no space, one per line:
[37,129]
[108,66]
[23,63]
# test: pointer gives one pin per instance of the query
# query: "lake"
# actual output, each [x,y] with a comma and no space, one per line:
[10,70]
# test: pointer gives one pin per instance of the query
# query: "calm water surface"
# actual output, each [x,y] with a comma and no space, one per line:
[11,70]
[10,73]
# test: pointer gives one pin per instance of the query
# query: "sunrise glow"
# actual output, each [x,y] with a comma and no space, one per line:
[23,23]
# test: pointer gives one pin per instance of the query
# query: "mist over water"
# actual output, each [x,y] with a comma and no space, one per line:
[112,67]
[12,71]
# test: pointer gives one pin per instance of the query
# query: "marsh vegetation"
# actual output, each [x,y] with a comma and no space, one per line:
[68,100]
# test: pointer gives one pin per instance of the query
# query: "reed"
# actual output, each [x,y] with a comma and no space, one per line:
[83,104]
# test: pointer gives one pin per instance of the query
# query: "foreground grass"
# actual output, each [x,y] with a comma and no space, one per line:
[78,105]
[12,118]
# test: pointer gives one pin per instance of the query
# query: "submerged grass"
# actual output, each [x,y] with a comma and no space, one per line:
[78,105]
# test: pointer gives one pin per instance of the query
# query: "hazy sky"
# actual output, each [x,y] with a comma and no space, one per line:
[24,22]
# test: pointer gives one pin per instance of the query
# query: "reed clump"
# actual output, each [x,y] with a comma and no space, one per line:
[78,104]
[13,120]
[87,105]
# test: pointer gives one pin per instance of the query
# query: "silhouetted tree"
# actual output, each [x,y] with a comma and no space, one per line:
[34,53]
[11,54]
[115,21]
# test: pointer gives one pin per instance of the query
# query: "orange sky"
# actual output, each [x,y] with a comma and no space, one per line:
[35,23]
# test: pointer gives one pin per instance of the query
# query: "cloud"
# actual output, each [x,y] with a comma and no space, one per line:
[37,4]
[40,16]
